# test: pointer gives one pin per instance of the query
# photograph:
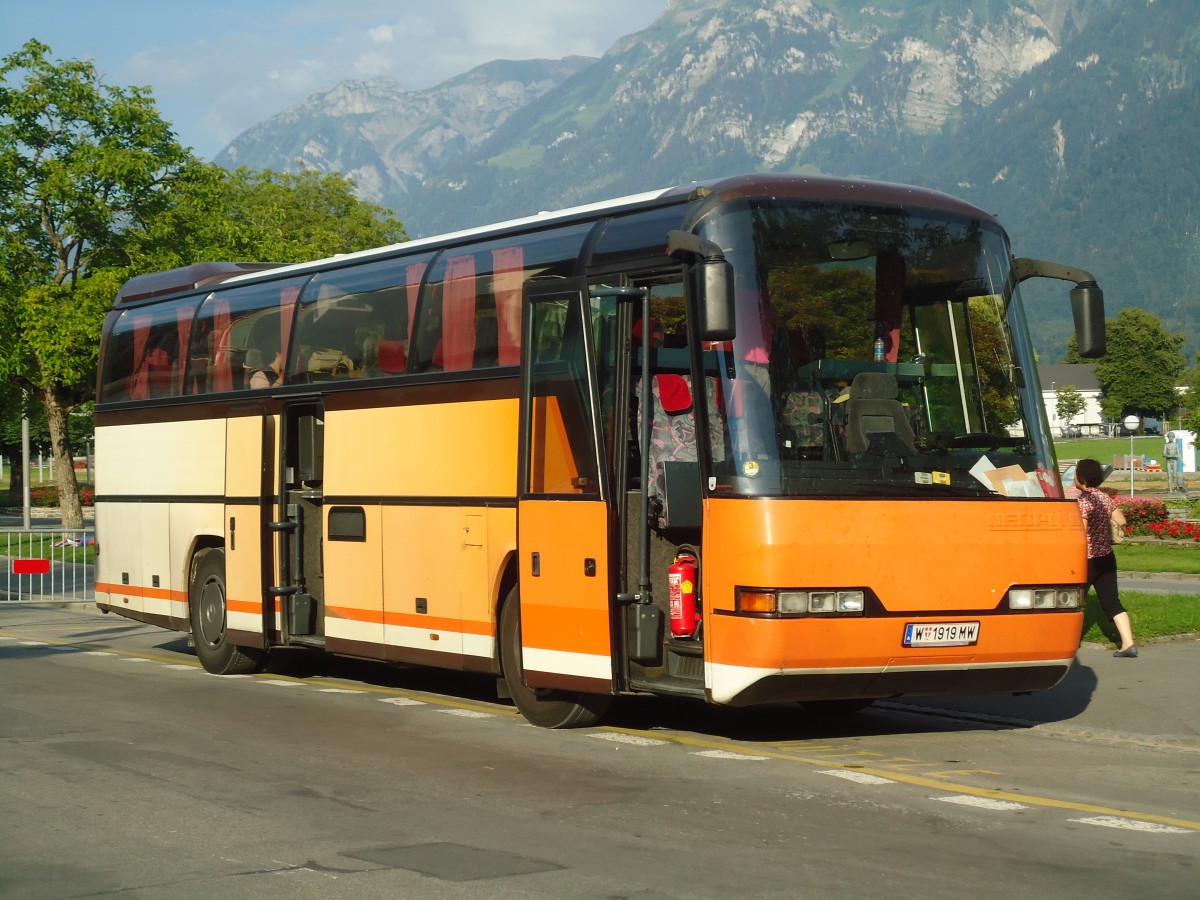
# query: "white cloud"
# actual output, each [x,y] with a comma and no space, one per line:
[220,67]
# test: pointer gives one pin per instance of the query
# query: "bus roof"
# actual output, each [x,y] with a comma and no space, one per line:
[813,187]
[185,278]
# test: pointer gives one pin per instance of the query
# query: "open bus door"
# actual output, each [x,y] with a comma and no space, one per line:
[297,533]
[556,626]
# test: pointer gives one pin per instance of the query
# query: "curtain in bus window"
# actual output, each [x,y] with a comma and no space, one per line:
[889,301]
[287,301]
[458,314]
[183,326]
[156,351]
[222,363]
[414,273]
[139,382]
[509,275]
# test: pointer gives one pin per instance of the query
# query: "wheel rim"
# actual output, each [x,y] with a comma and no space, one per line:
[212,612]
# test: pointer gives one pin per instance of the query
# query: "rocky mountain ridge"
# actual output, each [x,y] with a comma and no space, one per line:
[1050,113]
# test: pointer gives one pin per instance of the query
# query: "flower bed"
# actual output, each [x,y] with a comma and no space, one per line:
[1142,510]
[1168,531]
[46,495]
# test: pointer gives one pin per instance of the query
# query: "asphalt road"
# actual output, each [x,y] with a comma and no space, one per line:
[126,770]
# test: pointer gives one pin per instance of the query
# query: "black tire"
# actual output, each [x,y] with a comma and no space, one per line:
[206,610]
[543,707]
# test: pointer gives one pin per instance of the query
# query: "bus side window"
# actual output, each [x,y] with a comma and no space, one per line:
[226,327]
[147,353]
[470,309]
[118,359]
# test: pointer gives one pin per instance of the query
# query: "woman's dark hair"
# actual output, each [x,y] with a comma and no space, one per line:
[1089,472]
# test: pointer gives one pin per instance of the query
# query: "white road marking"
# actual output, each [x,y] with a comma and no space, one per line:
[340,691]
[1131,825]
[402,701]
[467,713]
[632,739]
[727,754]
[981,802]
[858,777]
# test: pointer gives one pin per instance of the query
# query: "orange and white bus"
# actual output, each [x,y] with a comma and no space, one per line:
[434,453]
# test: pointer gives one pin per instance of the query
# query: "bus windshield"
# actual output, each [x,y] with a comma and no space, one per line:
[875,355]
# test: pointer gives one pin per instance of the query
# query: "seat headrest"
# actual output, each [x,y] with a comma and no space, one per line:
[874,386]
[392,358]
[674,394]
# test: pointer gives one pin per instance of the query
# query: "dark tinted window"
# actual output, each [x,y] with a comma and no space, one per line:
[470,314]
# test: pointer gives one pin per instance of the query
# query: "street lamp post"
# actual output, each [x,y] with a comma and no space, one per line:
[1131,423]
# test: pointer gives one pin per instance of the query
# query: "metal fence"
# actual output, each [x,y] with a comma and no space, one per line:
[46,565]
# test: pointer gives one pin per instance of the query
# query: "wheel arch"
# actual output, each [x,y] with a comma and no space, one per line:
[509,575]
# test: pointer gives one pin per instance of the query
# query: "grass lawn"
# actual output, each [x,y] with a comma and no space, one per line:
[1151,615]
[1155,556]
[1104,449]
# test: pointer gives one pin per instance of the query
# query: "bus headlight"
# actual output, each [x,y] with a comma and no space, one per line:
[1049,597]
[802,602]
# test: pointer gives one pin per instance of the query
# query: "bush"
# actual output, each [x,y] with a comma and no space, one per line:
[1142,511]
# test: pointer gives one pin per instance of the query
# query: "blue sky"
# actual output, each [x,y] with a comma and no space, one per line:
[216,67]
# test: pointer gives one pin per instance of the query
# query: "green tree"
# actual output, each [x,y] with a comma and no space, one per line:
[259,216]
[1068,402]
[1142,368]
[81,164]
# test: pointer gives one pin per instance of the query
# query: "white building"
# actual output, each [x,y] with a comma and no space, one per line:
[1083,378]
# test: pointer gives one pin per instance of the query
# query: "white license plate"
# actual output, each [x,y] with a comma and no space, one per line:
[941,634]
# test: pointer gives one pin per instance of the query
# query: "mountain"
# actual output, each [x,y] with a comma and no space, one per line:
[388,139]
[1073,120]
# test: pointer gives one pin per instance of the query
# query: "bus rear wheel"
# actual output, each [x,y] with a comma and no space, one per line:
[207,612]
[541,706]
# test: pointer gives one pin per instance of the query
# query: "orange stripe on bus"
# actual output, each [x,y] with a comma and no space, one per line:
[136,590]
[410,620]
[245,606]
[573,629]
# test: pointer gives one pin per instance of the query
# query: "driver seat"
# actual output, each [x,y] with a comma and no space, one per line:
[873,409]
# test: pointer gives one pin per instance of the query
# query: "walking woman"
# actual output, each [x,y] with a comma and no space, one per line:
[1098,509]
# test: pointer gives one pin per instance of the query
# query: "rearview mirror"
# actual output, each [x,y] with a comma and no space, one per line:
[1087,308]
[713,284]
[1087,300]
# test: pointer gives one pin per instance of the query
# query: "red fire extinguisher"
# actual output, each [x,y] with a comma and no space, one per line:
[681,592]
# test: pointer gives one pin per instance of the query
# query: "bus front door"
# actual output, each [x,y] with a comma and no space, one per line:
[299,593]
[556,627]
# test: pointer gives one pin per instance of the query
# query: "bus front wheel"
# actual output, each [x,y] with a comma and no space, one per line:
[544,707]
[207,612]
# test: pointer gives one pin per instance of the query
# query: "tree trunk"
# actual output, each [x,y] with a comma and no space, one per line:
[64,461]
[16,478]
